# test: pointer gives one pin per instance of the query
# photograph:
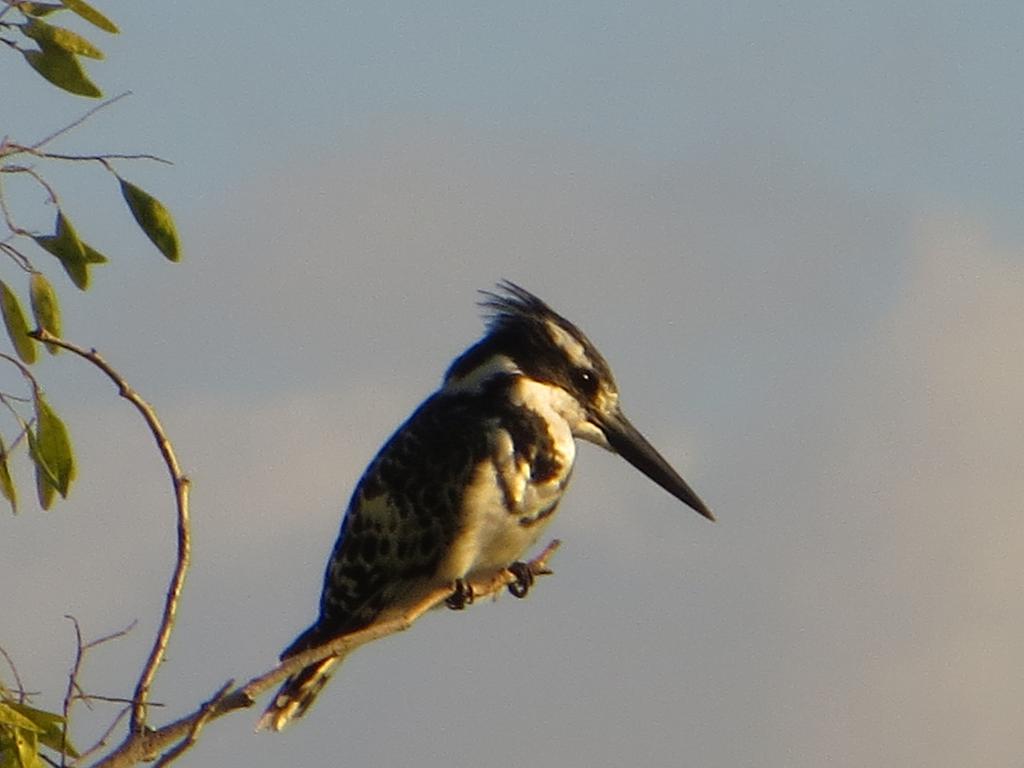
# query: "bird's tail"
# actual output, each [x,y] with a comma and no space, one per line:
[297,694]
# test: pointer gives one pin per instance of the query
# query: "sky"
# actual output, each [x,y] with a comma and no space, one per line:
[793,229]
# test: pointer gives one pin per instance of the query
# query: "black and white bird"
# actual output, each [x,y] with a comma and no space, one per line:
[467,485]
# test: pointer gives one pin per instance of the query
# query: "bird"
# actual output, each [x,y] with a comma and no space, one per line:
[467,485]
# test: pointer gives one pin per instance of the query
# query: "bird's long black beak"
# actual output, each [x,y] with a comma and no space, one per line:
[625,440]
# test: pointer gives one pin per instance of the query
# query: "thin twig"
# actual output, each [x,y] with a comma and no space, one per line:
[5,399]
[8,218]
[74,691]
[87,697]
[81,695]
[145,745]
[14,671]
[71,126]
[181,486]
[72,686]
[70,697]
[102,157]
[50,191]
[17,256]
[115,635]
[25,372]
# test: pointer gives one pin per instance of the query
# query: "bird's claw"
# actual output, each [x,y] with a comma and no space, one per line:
[524,578]
[461,596]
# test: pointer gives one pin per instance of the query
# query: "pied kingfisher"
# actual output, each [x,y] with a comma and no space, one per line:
[467,485]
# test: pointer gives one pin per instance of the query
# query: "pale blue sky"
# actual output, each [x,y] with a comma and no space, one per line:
[793,229]
[918,101]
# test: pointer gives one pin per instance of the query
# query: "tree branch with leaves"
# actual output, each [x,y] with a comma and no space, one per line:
[34,429]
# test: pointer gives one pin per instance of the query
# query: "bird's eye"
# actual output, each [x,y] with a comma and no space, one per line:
[585,381]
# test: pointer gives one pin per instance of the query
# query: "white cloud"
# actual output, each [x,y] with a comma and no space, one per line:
[921,599]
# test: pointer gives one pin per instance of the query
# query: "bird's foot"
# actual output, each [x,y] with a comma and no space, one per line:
[461,596]
[524,578]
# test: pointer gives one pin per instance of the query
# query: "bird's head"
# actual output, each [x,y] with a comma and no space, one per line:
[525,337]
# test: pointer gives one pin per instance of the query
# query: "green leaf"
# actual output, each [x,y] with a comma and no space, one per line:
[53,447]
[154,219]
[62,38]
[51,728]
[17,328]
[45,307]
[92,256]
[6,481]
[77,269]
[70,250]
[45,476]
[12,718]
[62,69]
[44,488]
[40,9]
[91,15]
[27,748]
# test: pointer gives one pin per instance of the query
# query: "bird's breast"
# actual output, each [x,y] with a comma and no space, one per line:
[513,491]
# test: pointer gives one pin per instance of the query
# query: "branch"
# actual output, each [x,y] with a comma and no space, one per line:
[148,744]
[102,741]
[101,158]
[50,191]
[81,695]
[72,685]
[71,126]
[25,372]
[11,148]
[14,671]
[74,690]
[5,247]
[181,486]
[204,714]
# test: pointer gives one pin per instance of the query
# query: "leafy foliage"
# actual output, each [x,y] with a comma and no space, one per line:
[55,51]
[24,729]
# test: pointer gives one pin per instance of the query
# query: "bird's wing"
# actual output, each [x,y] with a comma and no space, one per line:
[404,513]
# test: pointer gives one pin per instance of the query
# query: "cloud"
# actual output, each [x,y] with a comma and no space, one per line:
[916,610]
